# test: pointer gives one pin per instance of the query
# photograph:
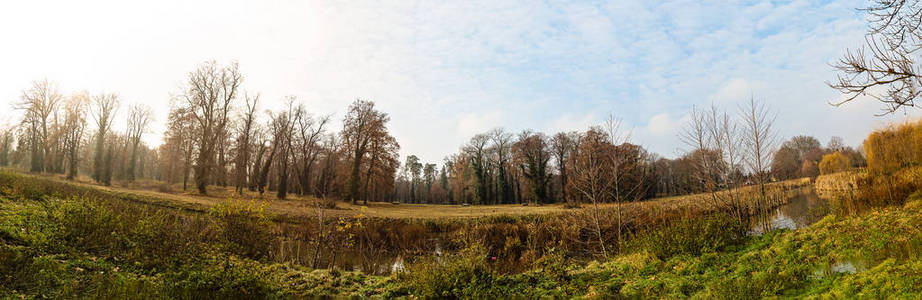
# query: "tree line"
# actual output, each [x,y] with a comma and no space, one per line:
[217,135]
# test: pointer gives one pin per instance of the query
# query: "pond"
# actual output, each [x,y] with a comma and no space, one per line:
[801,211]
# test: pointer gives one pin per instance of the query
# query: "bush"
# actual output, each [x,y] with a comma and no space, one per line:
[834,162]
[691,236]
[244,227]
[462,275]
[894,148]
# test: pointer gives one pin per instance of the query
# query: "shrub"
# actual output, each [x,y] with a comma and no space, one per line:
[834,162]
[244,227]
[691,236]
[462,275]
[89,226]
[894,147]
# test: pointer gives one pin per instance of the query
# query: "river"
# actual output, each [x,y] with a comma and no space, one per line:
[800,211]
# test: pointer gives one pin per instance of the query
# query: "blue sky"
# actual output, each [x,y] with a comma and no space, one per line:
[448,70]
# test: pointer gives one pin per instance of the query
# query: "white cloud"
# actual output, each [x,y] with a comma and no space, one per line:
[471,124]
[736,90]
[569,122]
[447,70]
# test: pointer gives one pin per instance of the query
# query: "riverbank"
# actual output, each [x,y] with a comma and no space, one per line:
[874,255]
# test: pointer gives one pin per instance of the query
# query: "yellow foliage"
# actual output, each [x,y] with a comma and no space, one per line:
[894,147]
[834,162]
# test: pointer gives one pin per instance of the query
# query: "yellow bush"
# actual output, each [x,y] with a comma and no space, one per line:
[834,162]
[894,147]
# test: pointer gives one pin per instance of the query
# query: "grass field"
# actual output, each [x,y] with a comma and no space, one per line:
[304,206]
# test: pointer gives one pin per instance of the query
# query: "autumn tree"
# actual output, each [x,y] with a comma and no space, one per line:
[360,125]
[382,164]
[834,162]
[810,169]
[208,96]
[179,145]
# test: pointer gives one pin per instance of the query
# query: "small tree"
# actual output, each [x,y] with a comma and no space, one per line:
[809,169]
[834,162]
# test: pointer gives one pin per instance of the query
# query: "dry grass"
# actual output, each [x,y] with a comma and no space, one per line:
[840,182]
[304,206]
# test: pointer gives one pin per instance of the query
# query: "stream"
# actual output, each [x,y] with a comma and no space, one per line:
[801,211]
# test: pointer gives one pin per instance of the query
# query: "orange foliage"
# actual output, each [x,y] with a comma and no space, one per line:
[894,147]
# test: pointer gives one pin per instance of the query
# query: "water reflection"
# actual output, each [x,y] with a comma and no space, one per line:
[800,211]
[385,262]
[847,266]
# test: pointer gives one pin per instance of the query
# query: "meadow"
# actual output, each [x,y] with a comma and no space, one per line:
[296,206]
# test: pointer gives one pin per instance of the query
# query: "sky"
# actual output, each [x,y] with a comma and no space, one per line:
[446,70]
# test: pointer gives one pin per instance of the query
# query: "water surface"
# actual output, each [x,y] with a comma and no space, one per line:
[801,211]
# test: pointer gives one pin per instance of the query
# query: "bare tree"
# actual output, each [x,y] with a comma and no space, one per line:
[886,68]
[74,127]
[282,132]
[695,135]
[310,132]
[759,139]
[209,97]
[622,166]
[39,102]
[104,108]
[561,148]
[725,133]
[244,139]
[502,144]
[591,178]
[139,117]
